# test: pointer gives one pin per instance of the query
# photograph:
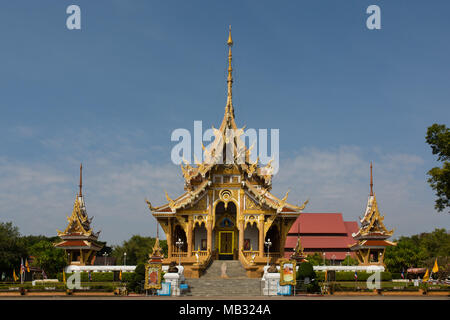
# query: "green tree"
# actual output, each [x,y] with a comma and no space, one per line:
[316,259]
[438,137]
[349,261]
[305,269]
[137,279]
[418,250]
[137,249]
[11,248]
[48,258]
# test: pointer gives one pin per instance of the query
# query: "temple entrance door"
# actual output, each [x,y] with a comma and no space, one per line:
[226,231]
[226,245]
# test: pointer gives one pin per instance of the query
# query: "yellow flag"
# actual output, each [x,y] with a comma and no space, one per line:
[120,275]
[435,268]
[326,275]
[26,265]
[64,277]
[426,277]
[14,276]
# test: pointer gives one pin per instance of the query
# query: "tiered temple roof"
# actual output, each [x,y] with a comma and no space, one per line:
[372,232]
[258,179]
[78,233]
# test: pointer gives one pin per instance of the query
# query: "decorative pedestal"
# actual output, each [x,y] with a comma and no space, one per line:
[174,280]
[271,282]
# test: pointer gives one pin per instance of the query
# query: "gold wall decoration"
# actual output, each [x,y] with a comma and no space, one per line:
[250,219]
[200,219]
[268,223]
[182,223]
[200,205]
[250,204]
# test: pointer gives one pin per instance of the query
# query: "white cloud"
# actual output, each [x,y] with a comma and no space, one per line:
[338,181]
[38,196]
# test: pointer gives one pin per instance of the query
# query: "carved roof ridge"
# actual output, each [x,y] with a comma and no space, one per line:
[183,200]
[272,201]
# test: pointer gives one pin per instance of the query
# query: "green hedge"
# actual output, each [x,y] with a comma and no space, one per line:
[350,276]
[98,276]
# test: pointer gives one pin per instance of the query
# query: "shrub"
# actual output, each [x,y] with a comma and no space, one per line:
[102,276]
[97,276]
[320,276]
[305,270]
[396,275]
[127,276]
[137,278]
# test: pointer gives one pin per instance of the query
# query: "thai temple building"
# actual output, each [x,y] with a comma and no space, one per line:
[78,239]
[372,235]
[324,233]
[227,211]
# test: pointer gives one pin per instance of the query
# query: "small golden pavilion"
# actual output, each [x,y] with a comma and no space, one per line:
[78,239]
[372,235]
[227,211]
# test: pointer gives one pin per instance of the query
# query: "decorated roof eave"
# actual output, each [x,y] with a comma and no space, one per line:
[87,244]
[265,197]
[362,245]
[163,214]
[373,234]
[289,214]
[73,236]
[183,201]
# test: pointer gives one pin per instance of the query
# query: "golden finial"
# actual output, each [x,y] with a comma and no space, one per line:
[230,40]
[81,178]
[371,180]
[229,106]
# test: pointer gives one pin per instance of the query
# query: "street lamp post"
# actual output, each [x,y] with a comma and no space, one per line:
[105,255]
[125,258]
[348,259]
[323,254]
[179,244]
[268,244]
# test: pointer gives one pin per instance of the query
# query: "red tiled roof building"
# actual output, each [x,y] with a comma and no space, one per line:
[322,233]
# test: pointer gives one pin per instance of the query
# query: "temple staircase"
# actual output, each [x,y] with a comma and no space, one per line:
[235,284]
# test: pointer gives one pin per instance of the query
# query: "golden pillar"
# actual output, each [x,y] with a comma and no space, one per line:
[261,235]
[209,224]
[189,237]
[282,236]
[209,235]
[241,233]
[241,220]
[169,238]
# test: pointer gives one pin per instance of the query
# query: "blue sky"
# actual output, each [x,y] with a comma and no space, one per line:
[109,95]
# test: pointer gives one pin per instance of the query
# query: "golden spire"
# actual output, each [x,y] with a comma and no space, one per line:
[229,106]
[81,178]
[371,180]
